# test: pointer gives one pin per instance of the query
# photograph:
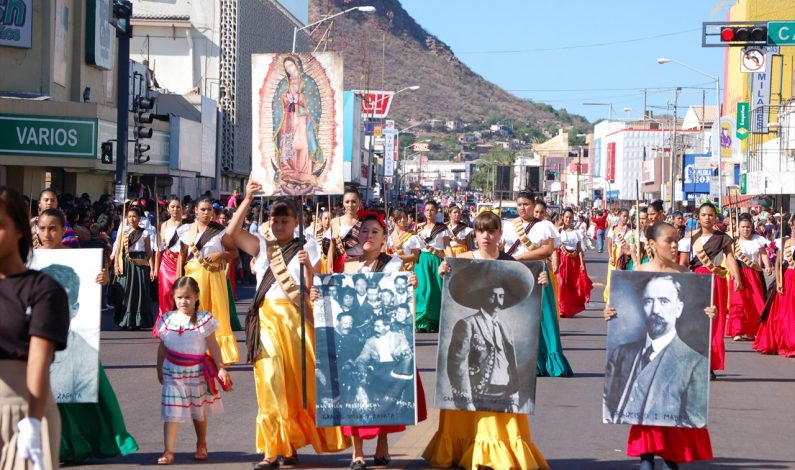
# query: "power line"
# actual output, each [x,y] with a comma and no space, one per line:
[650,89]
[581,46]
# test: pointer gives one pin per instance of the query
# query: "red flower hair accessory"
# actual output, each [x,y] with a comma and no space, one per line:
[365,213]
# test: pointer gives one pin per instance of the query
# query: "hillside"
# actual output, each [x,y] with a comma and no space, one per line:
[389,50]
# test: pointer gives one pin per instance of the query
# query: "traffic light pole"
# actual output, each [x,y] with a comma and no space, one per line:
[122,115]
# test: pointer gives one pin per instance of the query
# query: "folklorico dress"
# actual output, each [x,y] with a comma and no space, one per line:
[211,277]
[746,306]
[776,334]
[340,243]
[618,258]
[429,283]
[459,242]
[189,389]
[405,242]
[170,248]
[135,309]
[476,439]
[518,237]
[575,285]
[387,264]
[706,257]
[273,338]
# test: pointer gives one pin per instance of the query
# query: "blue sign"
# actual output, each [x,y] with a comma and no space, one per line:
[696,180]
[612,195]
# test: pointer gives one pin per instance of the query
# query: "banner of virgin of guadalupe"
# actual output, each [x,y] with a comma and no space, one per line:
[297,123]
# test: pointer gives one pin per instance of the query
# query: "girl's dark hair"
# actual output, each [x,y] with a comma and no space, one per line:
[657,206]
[17,210]
[284,207]
[433,203]
[453,207]
[656,230]
[677,213]
[55,213]
[525,195]
[189,282]
[707,204]
[400,213]
[173,197]
[487,220]
[541,202]
[203,200]
[48,190]
[135,209]
[623,211]
[746,218]
[350,190]
[568,209]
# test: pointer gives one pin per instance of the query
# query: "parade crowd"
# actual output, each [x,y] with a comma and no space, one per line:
[172,265]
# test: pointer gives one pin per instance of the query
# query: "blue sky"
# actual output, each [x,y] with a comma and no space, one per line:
[566,78]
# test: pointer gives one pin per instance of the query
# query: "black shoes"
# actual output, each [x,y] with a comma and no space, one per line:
[358,465]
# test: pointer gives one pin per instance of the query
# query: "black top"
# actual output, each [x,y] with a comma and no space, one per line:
[31,304]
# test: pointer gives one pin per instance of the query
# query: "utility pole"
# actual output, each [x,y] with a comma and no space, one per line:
[673,151]
[122,12]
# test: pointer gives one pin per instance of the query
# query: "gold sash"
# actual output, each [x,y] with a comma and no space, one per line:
[278,267]
[698,247]
[192,232]
[517,224]
[434,251]
[740,255]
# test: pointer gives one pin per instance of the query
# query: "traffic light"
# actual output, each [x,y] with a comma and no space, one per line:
[142,107]
[122,12]
[744,35]
[107,153]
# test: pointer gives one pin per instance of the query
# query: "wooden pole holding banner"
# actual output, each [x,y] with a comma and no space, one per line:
[780,257]
[302,286]
[637,222]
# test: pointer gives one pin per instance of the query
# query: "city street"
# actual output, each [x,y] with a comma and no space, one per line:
[751,421]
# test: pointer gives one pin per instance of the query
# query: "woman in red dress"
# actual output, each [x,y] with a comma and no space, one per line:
[674,445]
[746,305]
[703,251]
[776,334]
[575,285]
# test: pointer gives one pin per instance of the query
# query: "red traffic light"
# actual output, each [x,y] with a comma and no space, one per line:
[727,34]
[741,35]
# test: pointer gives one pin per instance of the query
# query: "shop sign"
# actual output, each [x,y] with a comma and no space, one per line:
[48,136]
[15,23]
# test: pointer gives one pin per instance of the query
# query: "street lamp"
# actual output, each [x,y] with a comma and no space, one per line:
[609,108]
[364,9]
[716,148]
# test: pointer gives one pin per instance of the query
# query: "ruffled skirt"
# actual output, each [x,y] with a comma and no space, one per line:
[551,362]
[680,445]
[14,408]
[283,425]
[95,430]
[746,305]
[574,286]
[214,298]
[720,298]
[428,292]
[471,438]
[185,394]
[777,334]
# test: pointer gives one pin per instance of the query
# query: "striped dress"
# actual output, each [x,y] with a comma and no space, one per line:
[185,393]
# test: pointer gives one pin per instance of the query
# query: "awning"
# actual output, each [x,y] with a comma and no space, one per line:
[745,200]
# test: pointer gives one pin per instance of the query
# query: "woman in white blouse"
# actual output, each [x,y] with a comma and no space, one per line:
[435,239]
[746,305]
[573,281]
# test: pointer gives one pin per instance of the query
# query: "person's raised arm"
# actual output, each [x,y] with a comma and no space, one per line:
[241,238]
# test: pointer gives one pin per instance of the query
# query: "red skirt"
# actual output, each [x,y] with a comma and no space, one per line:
[166,277]
[370,432]
[680,445]
[720,298]
[574,285]
[777,334]
[746,305]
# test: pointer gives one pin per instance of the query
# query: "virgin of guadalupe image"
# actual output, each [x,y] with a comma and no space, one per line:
[297,109]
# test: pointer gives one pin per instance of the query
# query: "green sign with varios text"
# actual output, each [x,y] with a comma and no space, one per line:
[742,120]
[781,33]
[44,136]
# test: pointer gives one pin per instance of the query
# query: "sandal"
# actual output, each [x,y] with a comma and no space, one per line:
[358,465]
[166,459]
[267,464]
[201,451]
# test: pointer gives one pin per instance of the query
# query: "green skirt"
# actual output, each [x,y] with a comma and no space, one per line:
[233,318]
[135,308]
[551,362]
[428,294]
[94,430]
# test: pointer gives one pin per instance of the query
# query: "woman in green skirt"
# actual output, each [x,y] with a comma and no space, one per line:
[435,239]
[134,266]
[88,430]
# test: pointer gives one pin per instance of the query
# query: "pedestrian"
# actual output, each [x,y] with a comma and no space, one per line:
[134,267]
[461,239]
[704,252]
[480,439]
[207,248]
[531,238]
[231,203]
[168,261]
[88,430]
[319,226]
[341,240]
[746,305]
[435,240]
[575,285]
[35,325]
[373,260]
[674,445]
[582,227]
[600,224]
[619,248]
[185,370]
[273,336]
[776,334]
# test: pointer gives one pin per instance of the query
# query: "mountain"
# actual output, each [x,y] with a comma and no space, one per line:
[388,50]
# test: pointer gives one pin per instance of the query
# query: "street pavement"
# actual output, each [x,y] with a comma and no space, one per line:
[751,416]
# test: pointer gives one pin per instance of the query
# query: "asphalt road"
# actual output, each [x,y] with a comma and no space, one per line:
[751,420]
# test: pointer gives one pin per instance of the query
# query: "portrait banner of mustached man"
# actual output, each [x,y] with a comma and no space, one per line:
[297,123]
[74,374]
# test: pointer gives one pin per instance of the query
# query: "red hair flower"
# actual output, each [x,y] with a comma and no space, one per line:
[379,216]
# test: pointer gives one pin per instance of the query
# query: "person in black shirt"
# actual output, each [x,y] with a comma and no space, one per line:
[35,325]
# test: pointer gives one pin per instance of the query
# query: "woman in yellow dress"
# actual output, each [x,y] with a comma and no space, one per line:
[273,337]
[461,241]
[478,439]
[402,242]
[619,248]
[208,248]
